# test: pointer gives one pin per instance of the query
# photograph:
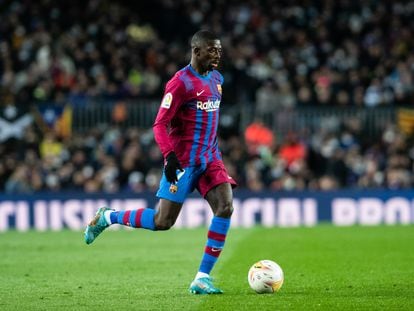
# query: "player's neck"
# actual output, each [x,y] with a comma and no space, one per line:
[198,69]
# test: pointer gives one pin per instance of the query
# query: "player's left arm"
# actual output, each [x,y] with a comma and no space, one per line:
[170,105]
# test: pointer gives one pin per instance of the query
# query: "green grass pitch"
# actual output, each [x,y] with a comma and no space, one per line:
[326,268]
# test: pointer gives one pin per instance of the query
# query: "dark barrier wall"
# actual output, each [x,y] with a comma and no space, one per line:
[284,209]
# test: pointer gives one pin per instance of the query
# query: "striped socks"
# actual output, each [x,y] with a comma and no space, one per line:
[216,237]
[141,218]
[144,218]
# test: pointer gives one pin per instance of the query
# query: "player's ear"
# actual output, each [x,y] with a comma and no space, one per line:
[196,50]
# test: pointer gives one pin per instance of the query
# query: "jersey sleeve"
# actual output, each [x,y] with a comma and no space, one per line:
[171,102]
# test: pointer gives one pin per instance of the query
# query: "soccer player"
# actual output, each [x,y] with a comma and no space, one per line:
[186,131]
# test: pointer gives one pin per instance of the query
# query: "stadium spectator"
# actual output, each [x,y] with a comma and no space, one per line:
[258,137]
[292,150]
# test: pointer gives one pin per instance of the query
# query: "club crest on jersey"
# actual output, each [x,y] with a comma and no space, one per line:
[210,105]
[173,188]
[166,101]
[219,88]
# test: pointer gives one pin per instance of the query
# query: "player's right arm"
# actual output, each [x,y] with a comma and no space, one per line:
[170,104]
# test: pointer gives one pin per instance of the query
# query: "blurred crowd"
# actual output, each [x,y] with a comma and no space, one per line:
[115,160]
[277,54]
[328,158]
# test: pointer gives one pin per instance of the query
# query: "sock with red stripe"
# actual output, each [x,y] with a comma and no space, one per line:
[216,237]
[141,218]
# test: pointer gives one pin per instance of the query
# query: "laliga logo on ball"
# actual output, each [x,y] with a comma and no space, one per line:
[265,276]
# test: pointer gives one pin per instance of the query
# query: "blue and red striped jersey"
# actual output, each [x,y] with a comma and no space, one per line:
[188,116]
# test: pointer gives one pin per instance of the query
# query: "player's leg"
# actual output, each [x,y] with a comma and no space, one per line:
[161,218]
[220,200]
[216,186]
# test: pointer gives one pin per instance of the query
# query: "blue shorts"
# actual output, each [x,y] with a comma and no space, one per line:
[187,181]
[204,177]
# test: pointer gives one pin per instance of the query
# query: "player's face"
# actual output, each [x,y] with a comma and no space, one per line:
[210,54]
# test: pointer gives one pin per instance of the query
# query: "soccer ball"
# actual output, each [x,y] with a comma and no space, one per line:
[265,276]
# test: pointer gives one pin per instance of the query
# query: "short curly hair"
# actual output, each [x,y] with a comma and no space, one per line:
[202,36]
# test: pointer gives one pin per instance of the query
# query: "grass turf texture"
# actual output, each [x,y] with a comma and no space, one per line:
[325,267]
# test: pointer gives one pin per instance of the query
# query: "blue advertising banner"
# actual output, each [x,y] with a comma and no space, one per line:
[284,209]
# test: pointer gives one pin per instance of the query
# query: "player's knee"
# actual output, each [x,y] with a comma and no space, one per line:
[163,224]
[225,209]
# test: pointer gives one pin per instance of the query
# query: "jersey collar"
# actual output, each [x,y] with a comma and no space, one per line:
[199,75]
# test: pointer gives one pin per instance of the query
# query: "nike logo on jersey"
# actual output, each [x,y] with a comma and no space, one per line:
[199,93]
[215,249]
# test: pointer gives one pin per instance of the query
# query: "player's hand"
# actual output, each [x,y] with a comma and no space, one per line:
[171,167]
